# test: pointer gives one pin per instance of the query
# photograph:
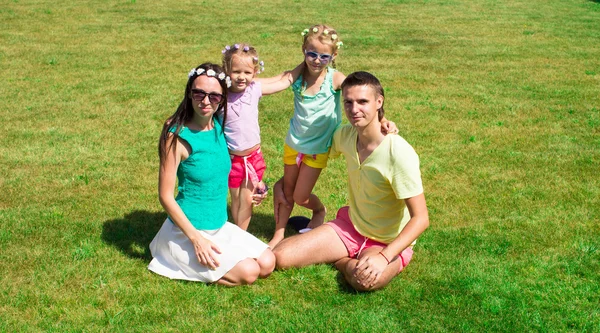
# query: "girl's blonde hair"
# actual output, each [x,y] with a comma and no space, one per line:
[241,50]
[324,34]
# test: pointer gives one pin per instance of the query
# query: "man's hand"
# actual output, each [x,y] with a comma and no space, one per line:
[369,269]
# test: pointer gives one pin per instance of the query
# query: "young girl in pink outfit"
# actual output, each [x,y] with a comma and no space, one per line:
[242,130]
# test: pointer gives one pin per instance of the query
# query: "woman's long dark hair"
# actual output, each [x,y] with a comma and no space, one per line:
[185,111]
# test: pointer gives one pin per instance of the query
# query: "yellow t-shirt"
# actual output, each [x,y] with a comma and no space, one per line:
[380,184]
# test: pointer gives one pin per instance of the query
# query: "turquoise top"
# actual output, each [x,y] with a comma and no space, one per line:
[315,117]
[202,178]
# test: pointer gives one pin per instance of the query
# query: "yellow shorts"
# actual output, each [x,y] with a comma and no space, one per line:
[317,161]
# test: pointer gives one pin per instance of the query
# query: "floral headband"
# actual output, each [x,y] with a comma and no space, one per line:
[221,76]
[245,49]
[261,64]
[326,33]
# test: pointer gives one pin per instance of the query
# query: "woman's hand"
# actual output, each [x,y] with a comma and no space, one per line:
[205,251]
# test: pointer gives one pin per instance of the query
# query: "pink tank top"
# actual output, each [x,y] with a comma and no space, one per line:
[241,127]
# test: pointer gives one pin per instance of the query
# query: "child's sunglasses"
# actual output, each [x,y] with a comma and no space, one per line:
[323,57]
[199,95]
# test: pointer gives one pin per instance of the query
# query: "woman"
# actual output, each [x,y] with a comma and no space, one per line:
[196,242]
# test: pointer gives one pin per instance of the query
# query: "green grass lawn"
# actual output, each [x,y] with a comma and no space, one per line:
[501,99]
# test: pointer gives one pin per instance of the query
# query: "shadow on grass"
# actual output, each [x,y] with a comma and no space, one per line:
[262,226]
[344,286]
[133,233]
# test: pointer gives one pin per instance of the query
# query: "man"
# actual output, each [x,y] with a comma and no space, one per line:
[370,241]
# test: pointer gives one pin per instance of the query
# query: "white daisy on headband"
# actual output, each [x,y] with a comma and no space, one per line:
[221,76]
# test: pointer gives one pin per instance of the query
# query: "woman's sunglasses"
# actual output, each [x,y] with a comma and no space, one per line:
[199,95]
[323,57]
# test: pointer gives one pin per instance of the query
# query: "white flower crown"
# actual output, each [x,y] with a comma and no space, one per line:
[326,32]
[246,48]
[221,76]
[261,64]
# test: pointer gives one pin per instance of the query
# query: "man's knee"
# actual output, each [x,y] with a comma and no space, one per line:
[282,256]
[358,286]
[348,273]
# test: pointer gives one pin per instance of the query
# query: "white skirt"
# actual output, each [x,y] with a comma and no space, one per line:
[175,258]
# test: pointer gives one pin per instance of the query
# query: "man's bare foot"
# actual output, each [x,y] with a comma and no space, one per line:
[318,218]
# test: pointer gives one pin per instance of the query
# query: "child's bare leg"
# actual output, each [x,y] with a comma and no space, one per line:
[244,213]
[235,203]
[303,196]
[290,175]
[319,214]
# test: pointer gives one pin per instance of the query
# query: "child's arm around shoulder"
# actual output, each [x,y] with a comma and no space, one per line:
[388,126]
[280,82]
[338,78]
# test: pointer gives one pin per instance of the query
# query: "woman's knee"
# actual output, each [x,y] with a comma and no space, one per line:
[266,262]
[248,271]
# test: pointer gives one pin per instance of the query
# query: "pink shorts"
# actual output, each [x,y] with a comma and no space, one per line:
[249,168]
[355,242]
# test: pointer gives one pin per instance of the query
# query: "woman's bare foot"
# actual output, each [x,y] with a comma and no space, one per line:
[318,218]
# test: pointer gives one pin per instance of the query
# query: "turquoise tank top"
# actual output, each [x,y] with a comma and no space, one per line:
[202,178]
[315,117]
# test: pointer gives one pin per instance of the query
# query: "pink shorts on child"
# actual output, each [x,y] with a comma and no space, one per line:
[355,242]
[249,168]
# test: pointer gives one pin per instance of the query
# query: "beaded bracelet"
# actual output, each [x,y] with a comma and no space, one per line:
[384,257]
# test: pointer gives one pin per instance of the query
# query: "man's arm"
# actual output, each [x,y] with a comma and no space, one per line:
[371,267]
[419,221]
